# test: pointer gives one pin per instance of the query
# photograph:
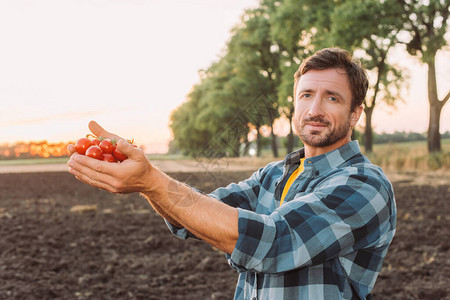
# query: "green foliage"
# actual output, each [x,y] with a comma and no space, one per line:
[399,137]
[426,23]
[354,29]
[235,94]
[267,46]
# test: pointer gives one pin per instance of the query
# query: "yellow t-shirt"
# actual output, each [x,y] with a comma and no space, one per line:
[291,180]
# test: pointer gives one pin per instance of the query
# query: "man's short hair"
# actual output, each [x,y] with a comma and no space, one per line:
[331,58]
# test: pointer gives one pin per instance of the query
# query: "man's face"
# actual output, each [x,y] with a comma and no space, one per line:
[322,116]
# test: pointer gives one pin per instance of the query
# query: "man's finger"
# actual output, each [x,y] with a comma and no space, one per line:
[71,149]
[92,171]
[128,149]
[86,179]
[88,165]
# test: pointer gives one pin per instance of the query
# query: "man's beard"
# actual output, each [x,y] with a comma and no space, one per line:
[314,137]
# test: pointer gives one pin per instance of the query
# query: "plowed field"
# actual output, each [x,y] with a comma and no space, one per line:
[63,239]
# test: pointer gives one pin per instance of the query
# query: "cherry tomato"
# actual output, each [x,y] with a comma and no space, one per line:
[82,145]
[95,142]
[109,158]
[119,155]
[107,146]
[95,152]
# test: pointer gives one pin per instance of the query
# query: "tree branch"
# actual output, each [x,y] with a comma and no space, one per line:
[445,99]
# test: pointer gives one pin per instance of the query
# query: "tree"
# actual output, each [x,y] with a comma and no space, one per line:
[188,137]
[426,23]
[235,94]
[256,62]
[295,34]
[222,94]
[353,28]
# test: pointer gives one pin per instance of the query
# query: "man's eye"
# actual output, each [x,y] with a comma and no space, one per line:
[306,95]
[333,99]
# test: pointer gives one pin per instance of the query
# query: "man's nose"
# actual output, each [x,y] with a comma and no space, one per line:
[316,108]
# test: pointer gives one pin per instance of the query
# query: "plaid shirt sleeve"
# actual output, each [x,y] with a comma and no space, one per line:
[345,212]
[240,195]
[245,194]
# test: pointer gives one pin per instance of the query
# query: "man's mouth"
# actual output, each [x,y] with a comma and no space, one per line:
[316,123]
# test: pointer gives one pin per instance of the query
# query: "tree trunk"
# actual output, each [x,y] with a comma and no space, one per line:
[274,142]
[290,140]
[235,148]
[247,147]
[368,109]
[258,141]
[368,133]
[434,136]
[290,137]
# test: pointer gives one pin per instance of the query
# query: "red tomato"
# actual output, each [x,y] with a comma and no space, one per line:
[119,155]
[107,146]
[82,145]
[109,158]
[96,142]
[95,152]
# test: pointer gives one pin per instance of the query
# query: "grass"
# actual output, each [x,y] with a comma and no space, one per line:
[403,157]
[33,161]
[63,160]
[410,156]
[165,156]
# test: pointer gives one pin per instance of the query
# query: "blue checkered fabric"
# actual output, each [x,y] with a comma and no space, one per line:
[328,239]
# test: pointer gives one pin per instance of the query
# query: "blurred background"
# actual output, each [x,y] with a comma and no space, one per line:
[172,74]
[205,87]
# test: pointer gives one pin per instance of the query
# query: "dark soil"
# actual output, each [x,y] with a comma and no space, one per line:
[118,248]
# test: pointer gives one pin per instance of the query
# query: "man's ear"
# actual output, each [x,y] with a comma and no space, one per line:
[355,115]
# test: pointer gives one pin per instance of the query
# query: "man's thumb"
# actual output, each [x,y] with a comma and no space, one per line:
[127,149]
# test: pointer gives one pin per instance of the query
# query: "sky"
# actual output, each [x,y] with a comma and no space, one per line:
[129,63]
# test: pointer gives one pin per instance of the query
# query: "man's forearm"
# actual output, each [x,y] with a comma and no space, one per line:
[205,217]
[162,212]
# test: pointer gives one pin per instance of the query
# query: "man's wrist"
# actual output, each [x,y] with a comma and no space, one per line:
[155,183]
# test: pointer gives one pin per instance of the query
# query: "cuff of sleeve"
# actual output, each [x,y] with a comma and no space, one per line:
[256,236]
[182,233]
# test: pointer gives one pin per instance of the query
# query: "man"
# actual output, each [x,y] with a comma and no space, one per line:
[314,226]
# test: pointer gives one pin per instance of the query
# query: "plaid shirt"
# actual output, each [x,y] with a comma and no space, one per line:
[328,239]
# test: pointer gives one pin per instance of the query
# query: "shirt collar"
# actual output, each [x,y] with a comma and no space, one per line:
[326,161]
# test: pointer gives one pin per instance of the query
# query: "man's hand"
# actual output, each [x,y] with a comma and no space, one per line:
[131,175]
[209,219]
